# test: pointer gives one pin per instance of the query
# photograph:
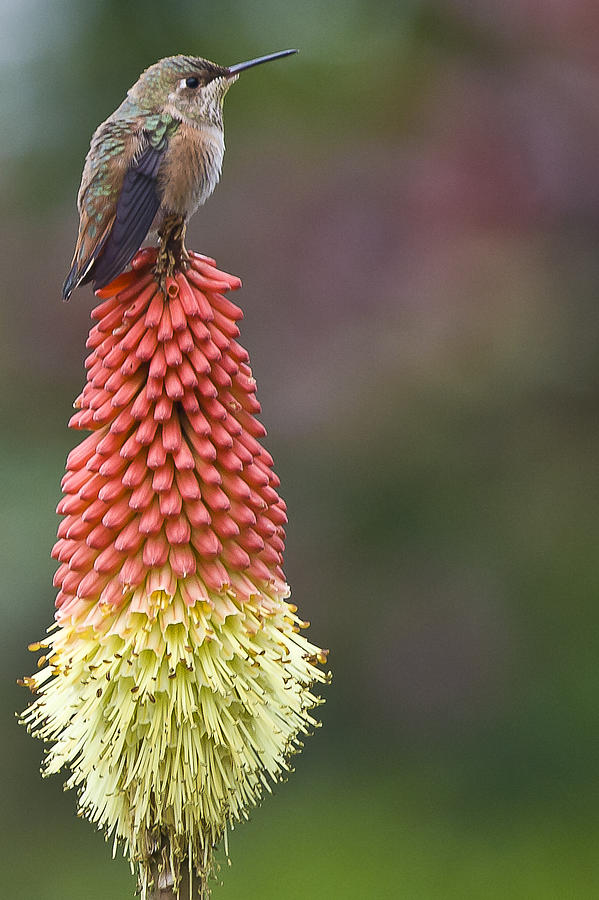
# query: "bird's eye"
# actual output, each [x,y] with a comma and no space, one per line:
[192,82]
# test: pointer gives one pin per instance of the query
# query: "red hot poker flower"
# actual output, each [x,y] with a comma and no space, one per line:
[176,680]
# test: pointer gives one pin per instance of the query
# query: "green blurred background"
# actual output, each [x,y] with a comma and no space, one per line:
[413,204]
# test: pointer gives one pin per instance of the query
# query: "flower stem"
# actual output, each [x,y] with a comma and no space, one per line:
[164,883]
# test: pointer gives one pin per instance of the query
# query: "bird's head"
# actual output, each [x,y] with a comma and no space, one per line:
[189,87]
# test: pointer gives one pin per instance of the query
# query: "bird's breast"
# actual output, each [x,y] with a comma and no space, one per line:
[191,168]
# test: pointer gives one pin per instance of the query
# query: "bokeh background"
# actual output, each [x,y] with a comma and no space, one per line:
[413,204]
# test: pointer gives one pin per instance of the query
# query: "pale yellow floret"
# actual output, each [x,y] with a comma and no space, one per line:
[173,723]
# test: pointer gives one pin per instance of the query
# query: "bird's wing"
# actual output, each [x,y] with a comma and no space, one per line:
[111,232]
[136,207]
[105,165]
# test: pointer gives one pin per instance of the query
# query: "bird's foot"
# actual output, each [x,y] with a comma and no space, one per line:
[172,255]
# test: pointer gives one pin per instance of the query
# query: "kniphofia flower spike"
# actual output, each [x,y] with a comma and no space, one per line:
[175,683]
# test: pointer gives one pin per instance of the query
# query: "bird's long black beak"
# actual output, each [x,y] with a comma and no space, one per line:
[240,67]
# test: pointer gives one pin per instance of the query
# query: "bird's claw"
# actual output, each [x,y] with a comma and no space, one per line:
[172,255]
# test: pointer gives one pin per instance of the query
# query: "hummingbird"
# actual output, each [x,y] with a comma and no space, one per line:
[152,163]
